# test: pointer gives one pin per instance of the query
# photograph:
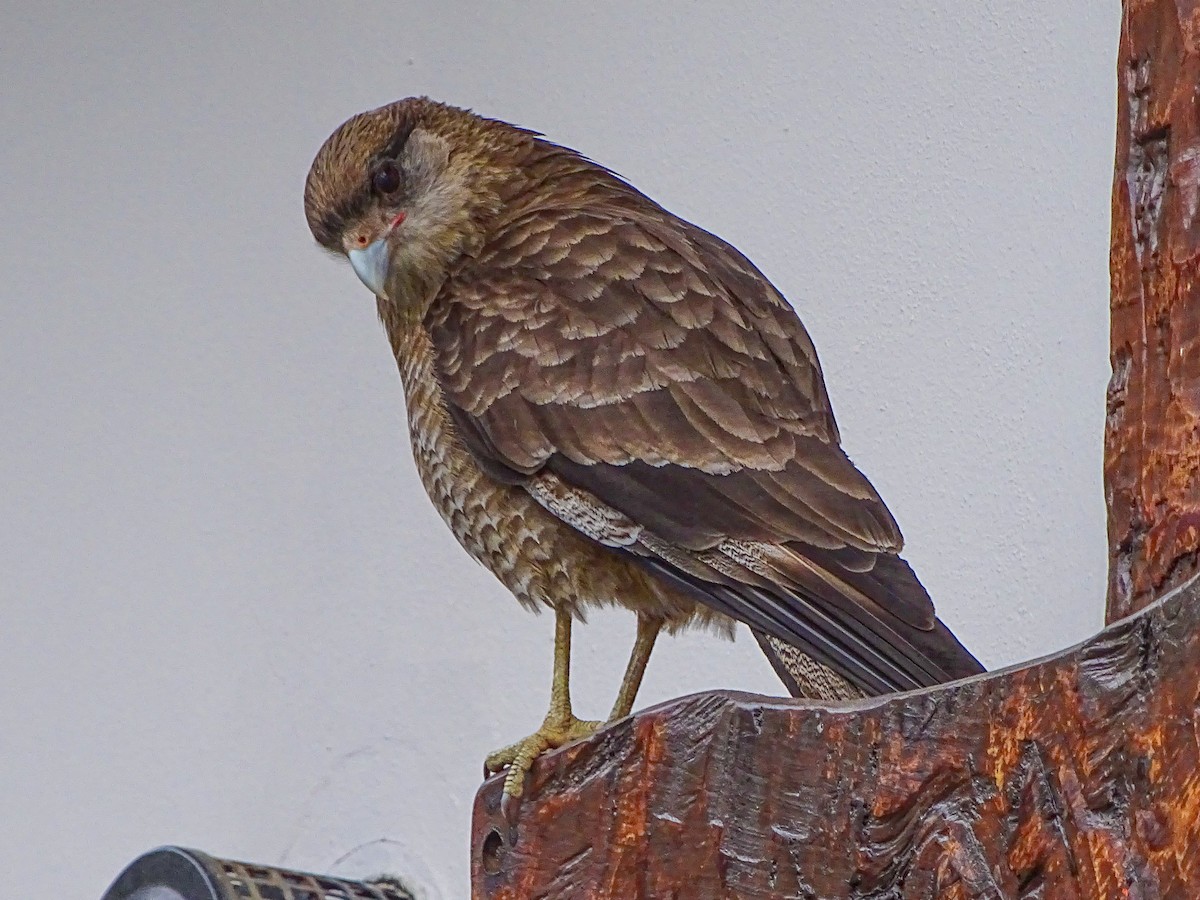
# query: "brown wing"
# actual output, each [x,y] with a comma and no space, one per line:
[650,366]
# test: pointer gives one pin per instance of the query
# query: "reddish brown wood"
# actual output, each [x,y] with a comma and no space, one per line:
[1072,777]
[1152,448]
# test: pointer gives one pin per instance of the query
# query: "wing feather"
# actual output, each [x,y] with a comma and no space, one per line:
[649,367]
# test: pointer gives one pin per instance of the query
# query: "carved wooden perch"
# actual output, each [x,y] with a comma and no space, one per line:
[1152,446]
[1071,777]
[1075,776]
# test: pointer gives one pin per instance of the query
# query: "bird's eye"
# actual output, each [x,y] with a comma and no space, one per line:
[386,179]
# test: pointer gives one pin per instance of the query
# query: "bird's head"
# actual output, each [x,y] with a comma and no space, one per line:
[406,189]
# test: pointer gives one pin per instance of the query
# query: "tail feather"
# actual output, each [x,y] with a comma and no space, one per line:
[872,640]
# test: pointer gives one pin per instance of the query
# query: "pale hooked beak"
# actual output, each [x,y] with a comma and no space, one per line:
[371,264]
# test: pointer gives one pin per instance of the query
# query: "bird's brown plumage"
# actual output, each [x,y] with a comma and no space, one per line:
[610,405]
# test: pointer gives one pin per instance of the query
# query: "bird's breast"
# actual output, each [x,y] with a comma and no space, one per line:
[487,518]
[535,555]
[538,557]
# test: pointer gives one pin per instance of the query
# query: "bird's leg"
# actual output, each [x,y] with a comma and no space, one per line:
[560,725]
[647,631]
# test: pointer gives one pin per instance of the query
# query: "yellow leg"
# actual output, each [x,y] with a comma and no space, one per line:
[560,725]
[647,632]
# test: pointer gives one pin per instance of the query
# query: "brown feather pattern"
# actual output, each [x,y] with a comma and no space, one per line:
[609,404]
[646,362]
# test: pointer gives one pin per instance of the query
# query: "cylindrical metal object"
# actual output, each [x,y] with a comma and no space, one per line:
[177,873]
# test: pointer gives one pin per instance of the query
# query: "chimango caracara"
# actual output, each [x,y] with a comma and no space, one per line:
[609,405]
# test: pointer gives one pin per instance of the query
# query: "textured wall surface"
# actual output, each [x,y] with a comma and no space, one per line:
[231,618]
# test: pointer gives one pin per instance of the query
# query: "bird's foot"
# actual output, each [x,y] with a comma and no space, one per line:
[555,732]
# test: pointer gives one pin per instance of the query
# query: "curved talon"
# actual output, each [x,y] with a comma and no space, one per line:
[518,757]
[508,809]
[558,728]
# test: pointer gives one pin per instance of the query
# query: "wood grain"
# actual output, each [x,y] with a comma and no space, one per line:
[1152,450]
[1071,777]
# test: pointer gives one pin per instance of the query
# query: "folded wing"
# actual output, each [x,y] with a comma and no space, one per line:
[648,368]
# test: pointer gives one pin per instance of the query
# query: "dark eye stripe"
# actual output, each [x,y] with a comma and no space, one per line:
[333,223]
[396,145]
[329,227]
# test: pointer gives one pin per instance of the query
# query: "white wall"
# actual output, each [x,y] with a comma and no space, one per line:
[231,619]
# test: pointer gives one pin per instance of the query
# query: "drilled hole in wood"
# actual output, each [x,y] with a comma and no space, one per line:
[493,852]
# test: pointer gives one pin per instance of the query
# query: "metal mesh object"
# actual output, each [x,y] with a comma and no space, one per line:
[176,873]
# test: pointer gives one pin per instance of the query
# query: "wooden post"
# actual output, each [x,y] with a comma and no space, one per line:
[1073,777]
[1069,777]
[1152,445]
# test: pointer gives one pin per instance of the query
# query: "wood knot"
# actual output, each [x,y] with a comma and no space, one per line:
[1153,829]
[492,853]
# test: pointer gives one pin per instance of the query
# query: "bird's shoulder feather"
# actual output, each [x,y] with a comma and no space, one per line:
[650,362]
